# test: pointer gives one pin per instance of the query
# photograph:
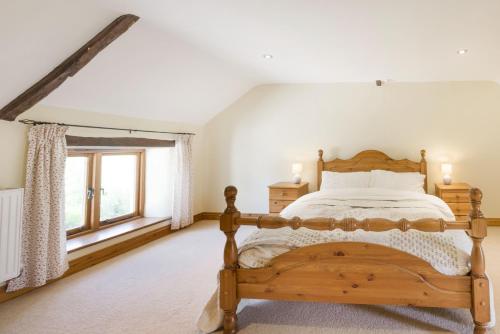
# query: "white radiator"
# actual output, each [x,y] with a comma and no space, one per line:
[11,209]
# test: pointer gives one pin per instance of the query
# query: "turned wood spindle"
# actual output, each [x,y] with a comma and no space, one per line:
[320,166]
[228,281]
[423,168]
[480,283]
[229,228]
[479,232]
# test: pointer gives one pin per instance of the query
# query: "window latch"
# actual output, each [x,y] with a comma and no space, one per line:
[90,193]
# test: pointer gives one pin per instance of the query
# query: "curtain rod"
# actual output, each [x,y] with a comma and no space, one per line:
[32,122]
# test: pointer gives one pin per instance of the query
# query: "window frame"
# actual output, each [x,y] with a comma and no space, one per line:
[86,224]
[93,204]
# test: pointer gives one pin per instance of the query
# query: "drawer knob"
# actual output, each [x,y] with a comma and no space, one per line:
[283,193]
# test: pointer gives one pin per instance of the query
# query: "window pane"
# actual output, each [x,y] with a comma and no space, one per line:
[75,191]
[118,185]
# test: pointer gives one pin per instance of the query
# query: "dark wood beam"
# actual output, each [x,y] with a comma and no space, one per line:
[67,68]
[118,142]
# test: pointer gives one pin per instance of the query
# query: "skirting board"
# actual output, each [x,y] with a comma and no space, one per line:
[96,257]
[493,221]
[207,216]
[216,215]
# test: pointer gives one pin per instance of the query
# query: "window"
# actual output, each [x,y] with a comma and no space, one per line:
[103,188]
[76,185]
[118,186]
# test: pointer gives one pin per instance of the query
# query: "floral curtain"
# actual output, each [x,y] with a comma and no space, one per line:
[44,255]
[182,213]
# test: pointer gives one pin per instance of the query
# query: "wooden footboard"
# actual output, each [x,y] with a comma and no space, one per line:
[353,272]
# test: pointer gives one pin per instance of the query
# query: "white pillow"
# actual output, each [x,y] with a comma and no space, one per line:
[397,181]
[334,180]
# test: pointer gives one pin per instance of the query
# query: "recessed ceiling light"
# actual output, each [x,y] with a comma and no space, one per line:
[462,51]
[267,56]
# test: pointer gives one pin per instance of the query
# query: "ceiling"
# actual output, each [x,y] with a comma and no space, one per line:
[185,61]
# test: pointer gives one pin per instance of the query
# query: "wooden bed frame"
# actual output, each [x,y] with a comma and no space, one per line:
[355,272]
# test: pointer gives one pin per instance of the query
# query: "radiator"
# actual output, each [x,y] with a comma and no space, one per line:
[11,209]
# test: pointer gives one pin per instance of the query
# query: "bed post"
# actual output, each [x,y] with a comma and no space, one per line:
[320,167]
[228,282]
[480,284]
[423,168]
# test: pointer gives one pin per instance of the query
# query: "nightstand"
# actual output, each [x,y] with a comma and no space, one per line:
[283,193]
[457,196]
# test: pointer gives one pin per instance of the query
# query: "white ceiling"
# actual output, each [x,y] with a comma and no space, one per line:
[186,60]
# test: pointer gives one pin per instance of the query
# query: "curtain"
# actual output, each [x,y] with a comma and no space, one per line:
[44,255]
[182,211]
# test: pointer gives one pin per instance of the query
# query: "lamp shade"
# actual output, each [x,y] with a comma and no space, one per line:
[297,168]
[446,168]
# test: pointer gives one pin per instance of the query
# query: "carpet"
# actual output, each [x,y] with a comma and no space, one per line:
[163,286]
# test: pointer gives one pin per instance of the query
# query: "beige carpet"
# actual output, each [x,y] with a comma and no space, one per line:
[161,288]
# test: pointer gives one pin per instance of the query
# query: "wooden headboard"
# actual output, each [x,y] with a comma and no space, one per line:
[366,161]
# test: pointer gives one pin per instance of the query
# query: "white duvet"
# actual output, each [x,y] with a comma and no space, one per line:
[448,252]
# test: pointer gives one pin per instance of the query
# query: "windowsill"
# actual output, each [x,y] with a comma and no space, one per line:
[96,237]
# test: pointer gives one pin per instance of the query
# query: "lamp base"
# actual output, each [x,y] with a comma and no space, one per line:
[447,180]
[297,179]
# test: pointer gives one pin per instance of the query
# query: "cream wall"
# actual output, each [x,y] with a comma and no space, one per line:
[13,140]
[254,141]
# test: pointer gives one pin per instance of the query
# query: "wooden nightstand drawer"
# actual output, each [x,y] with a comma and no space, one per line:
[460,209]
[277,205]
[284,194]
[456,197]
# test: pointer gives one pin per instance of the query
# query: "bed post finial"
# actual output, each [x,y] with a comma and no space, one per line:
[228,281]
[422,154]
[480,283]
[423,168]
[230,194]
[476,196]
[319,166]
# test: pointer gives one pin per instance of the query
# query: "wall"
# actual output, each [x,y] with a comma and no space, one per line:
[254,141]
[13,140]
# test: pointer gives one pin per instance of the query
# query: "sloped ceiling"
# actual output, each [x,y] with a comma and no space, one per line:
[185,61]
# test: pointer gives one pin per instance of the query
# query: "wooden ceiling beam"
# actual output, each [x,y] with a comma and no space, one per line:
[67,68]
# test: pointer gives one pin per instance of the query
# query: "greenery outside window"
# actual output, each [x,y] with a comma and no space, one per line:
[103,188]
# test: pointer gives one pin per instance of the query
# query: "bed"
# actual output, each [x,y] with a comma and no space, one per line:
[349,268]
